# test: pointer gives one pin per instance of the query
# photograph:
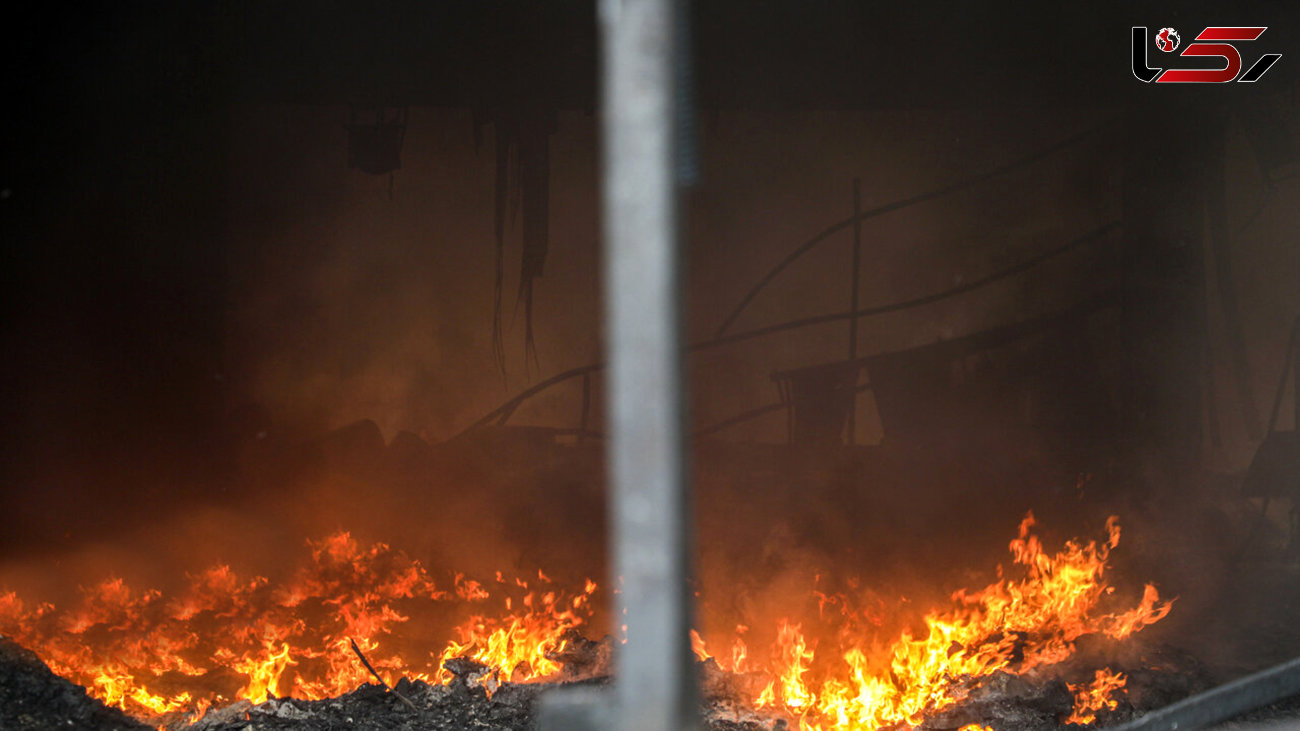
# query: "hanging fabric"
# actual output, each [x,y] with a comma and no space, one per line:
[522,188]
[534,178]
[505,136]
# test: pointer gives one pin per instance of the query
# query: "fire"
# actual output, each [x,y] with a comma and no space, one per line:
[118,688]
[226,637]
[1090,698]
[740,651]
[1013,624]
[264,673]
[793,659]
[520,647]
[697,646]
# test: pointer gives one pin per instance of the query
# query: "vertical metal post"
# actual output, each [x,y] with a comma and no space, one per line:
[654,685]
[650,528]
[853,306]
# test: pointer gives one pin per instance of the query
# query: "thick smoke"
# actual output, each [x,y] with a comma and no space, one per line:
[347,302]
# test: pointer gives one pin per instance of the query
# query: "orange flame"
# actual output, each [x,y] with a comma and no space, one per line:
[1012,624]
[697,647]
[229,637]
[1088,699]
[226,636]
[519,647]
[739,651]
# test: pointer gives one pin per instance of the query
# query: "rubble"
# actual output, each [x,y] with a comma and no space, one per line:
[32,698]
[1006,701]
[373,708]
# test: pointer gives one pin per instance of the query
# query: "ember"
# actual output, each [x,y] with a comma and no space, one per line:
[227,638]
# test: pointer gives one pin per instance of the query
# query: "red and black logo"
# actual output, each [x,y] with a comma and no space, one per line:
[1167,39]
[1209,42]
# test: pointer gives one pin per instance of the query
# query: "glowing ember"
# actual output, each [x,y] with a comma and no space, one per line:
[227,637]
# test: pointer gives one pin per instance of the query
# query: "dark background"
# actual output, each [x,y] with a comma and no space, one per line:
[136,136]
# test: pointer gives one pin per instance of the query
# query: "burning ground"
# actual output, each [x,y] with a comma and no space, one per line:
[1040,646]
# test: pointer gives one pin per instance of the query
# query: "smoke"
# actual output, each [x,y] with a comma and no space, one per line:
[351,305]
[343,303]
[348,305]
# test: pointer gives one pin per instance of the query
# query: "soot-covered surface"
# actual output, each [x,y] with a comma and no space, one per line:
[32,698]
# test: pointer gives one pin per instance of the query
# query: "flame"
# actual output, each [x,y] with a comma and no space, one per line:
[264,673]
[117,688]
[789,689]
[226,637]
[519,647]
[1093,697]
[739,651]
[1011,624]
[697,647]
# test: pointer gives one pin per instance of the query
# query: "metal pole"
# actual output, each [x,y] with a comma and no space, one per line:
[654,685]
[853,305]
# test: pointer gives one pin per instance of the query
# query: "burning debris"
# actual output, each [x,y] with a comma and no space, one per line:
[1015,624]
[233,652]
[1036,701]
[227,637]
